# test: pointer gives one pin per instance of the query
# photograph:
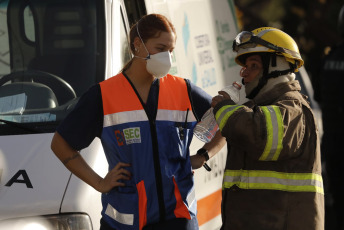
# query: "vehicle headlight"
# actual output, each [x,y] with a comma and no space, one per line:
[50,222]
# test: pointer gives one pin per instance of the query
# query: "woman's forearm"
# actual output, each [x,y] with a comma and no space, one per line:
[74,162]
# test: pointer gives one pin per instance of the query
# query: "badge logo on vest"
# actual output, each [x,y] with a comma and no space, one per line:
[120,137]
[132,135]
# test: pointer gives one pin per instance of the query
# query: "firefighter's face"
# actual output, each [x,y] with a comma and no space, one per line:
[253,67]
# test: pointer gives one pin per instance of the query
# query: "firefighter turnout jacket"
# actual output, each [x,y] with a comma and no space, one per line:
[161,187]
[272,177]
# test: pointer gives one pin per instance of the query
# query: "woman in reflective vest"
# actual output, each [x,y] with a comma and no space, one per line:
[145,119]
[157,150]
[272,178]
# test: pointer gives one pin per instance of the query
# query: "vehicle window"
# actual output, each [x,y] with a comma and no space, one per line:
[51,52]
[135,10]
[4,45]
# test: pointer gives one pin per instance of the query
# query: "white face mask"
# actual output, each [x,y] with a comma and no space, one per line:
[158,64]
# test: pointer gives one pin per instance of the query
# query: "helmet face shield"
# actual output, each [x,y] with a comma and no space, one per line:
[247,39]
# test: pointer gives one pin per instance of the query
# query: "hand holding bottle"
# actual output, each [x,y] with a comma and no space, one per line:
[229,92]
[206,129]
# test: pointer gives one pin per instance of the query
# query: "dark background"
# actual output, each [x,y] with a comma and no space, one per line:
[312,24]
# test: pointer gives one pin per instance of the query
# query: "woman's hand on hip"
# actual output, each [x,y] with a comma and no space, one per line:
[114,177]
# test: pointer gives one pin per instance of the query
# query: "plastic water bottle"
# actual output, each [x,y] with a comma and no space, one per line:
[233,91]
[206,129]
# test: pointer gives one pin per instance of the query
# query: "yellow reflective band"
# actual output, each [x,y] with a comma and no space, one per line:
[275,131]
[271,180]
[224,113]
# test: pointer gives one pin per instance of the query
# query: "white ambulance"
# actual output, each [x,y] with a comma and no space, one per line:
[51,52]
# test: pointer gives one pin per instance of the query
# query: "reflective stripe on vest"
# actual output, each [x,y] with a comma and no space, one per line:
[124,117]
[224,113]
[271,180]
[275,130]
[140,115]
[175,115]
[123,218]
[191,198]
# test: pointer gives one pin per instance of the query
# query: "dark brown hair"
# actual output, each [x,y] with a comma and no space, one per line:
[149,26]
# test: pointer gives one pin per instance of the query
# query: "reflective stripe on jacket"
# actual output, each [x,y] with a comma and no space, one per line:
[259,179]
[274,128]
[272,178]
[157,150]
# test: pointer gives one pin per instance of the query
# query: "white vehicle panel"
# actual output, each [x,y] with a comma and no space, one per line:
[39,179]
[79,195]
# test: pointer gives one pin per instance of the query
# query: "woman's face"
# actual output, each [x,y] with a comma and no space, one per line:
[253,67]
[166,41]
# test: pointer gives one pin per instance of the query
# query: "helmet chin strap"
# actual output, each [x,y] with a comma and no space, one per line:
[262,80]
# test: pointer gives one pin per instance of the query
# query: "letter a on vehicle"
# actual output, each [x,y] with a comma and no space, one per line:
[15,179]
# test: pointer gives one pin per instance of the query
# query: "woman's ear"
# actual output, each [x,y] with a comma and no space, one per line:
[137,44]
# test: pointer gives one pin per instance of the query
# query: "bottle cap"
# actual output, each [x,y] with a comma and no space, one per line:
[237,85]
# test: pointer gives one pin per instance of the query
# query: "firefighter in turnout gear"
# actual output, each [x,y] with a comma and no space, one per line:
[272,177]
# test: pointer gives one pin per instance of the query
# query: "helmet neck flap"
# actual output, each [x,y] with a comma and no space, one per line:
[269,71]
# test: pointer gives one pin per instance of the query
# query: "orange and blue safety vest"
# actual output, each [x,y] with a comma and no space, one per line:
[161,186]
